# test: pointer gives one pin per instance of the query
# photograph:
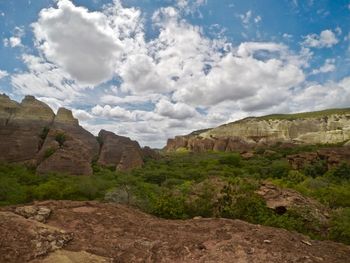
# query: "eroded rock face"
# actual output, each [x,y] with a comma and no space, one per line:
[119,151]
[257,132]
[330,156]
[21,128]
[68,147]
[31,133]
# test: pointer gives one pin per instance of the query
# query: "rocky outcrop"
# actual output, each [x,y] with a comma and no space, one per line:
[31,133]
[103,232]
[199,144]
[325,127]
[68,147]
[21,128]
[281,200]
[119,152]
[23,240]
[330,156]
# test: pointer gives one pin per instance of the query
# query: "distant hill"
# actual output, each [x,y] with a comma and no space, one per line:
[329,126]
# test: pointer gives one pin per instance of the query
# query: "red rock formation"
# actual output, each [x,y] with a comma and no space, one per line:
[22,128]
[68,147]
[118,151]
[30,132]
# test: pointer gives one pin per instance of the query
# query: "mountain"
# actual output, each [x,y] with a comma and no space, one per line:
[31,133]
[321,127]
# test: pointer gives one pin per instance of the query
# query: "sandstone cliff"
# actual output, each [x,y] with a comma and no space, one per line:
[31,133]
[324,127]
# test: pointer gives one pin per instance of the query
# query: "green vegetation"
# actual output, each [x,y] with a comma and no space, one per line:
[305,115]
[60,138]
[44,133]
[183,185]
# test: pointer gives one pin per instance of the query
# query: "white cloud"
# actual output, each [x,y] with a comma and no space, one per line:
[316,96]
[175,110]
[246,17]
[3,74]
[83,43]
[15,40]
[82,115]
[326,39]
[112,112]
[44,79]
[239,75]
[328,66]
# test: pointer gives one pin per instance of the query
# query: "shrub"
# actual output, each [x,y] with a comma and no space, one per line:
[342,171]
[316,169]
[60,138]
[48,152]
[233,159]
[340,226]
[170,206]
[295,177]
[44,133]
[279,169]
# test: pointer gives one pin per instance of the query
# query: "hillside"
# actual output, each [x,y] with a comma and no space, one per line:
[86,232]
[330,126]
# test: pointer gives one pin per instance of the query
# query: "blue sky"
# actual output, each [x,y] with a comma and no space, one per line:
[154,69]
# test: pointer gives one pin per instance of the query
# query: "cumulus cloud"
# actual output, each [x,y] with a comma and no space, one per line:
[83,43]
[326,39]
[175,110]
[316,96]
[328,66]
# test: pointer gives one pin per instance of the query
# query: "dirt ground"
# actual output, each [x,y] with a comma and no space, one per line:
[84,232]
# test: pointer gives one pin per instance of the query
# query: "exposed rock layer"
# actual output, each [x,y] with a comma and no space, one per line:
[113,233]
[31,133]
[327,127]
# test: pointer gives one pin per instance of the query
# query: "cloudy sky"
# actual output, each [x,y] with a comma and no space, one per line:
[152,69]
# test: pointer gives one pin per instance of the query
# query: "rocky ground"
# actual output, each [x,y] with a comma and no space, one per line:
[67,231]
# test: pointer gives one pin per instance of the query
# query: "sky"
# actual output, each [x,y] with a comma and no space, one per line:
[153,69]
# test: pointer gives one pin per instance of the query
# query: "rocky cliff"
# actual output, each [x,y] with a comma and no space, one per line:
[323,127]
[31,133]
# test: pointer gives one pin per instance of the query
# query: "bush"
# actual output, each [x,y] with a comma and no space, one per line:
[295,177]
[232,160]
[340,226]
[316,169]
[170,206]
[48,152]
[279,169]
[342,171]
[44,133]
[60,138]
